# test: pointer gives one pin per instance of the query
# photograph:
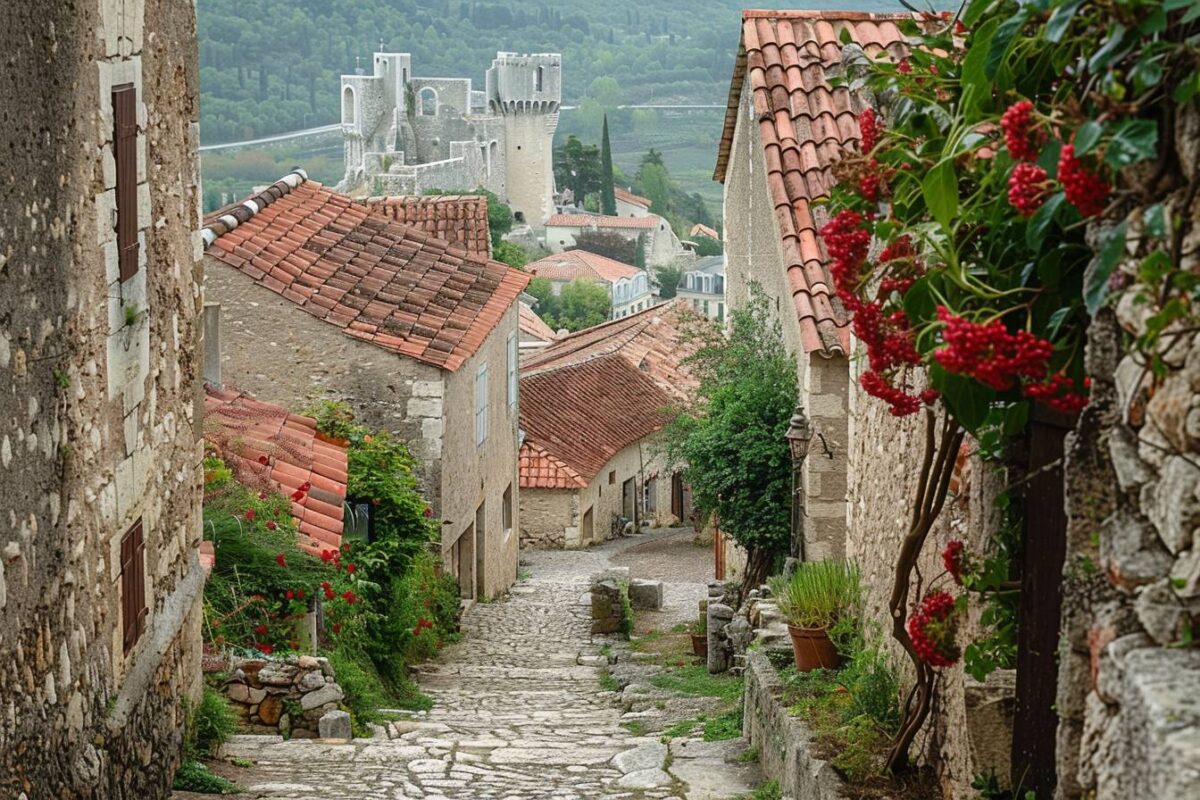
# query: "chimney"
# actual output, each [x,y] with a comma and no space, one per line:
[212,343]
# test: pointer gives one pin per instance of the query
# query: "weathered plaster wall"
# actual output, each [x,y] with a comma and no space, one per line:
[283,355]
[550,518]
[1129,721]
[473,475]
[97,416]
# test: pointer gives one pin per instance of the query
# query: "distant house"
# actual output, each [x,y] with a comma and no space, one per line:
[458,219]
[534,330]
[628,287]
[283,450]
[660,244]
[703,230]
[630,204]
[702,287]
[592,404]
[417,335]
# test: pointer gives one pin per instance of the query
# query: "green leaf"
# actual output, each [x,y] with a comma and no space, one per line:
[940,189]
[1106,53]
[1086,136]
[1060,20]
[1155,21]
[1175,5]
[1155,268]
[1043,218]
[1155,220]
[1095,285]
[1188,88]
[1146,74]
[967,400]
[918,300]
[1056,321]
[976,86]
[1002,40]
[845,36]
[1134,140]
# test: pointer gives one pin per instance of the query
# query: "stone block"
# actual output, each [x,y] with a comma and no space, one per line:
[1172,503]
[311,681]
[646,595]
[606,625]
[271,709]
[991,705]
[1132,552]
[335,725]
[329,693]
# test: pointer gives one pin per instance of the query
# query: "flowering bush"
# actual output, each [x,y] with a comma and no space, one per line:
[933,627]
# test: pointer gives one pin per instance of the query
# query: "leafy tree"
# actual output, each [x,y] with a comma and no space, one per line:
[608,200]
[731,443]
[582,304]
[608,244]
[578,167]
[668,280]
[708,246]
[639,253]
[510,253]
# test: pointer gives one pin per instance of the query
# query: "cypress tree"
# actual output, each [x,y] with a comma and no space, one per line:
[608,198]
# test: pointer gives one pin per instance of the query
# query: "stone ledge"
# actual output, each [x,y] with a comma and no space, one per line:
[784,741]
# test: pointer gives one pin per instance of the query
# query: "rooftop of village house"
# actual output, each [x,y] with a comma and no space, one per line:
[460,219]
[351,265]
[574,264]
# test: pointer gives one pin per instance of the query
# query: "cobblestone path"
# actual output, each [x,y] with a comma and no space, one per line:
[518,714]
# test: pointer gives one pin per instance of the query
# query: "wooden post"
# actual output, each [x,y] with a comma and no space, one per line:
[1043,548]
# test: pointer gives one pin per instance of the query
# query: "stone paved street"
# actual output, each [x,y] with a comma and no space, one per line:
[518,708]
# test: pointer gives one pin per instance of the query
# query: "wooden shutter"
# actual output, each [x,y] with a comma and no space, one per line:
[133,586]
[124,103]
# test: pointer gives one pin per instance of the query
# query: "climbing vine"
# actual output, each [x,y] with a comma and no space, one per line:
[972,237]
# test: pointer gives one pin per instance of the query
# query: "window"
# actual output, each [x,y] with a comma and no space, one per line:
[429,102]
[133,586]
[612,477]
[650,500]
[347,106]
[512,370]
[541,78]
[508,512]
[720,312]
[124,103]
[706,308]
[481,405]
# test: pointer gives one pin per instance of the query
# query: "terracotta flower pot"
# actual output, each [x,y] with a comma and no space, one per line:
[700,644]
[813,649]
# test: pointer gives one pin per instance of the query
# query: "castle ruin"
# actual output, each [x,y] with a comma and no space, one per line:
[405,135]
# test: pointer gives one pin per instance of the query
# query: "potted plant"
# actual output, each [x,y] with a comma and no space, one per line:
[699,631]
[814,599]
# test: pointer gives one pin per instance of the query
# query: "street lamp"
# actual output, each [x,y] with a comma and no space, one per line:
[799,435]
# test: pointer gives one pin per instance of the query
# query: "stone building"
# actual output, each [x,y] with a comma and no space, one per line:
[630,204]
[702,287]
[628,287]
[100,411]
[405,134]
[660,246]
[321,295]
[592,404]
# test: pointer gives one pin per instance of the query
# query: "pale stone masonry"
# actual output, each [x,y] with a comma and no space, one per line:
[99,423]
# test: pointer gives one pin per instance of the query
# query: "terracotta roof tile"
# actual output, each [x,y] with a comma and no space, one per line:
[348,263]
[533,325]
[458,219]
[245,430]
[629,197]
[601,221]
[804,122]
[581,264]
[541,470]
[703,230]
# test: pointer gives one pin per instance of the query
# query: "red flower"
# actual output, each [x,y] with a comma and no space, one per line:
[337,627]
[300,593]
[1023,140]
[261,630]
[298,495]
[350,597]
[326,585]
[262,495]
[280,560]
[304,487]
[904,67]
[264,648]
[428,512]
[954,560]
[1027,188]
[869,126]
[959,28]
[989,353]
[345,547]
[932,629]
[271,525]
[263,460]
[290,595]
[329,595]
[327,555]
[1086,191]
[250,512]
[350,569]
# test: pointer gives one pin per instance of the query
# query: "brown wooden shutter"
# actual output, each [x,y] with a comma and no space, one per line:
[124,103]
[133,586]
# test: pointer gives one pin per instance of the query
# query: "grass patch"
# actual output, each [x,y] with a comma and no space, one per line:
[681,728]
[635,726]
[192,776]
[607,682]
[668,649]
[696,680]
[725,726]
[750,755]
[768,791]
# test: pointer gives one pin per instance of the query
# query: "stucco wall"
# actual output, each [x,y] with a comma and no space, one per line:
[283,355]
[97,417]
[474,475]
[549,517]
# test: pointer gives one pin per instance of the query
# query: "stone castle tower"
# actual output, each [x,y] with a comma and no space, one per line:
[405,134]
[526,91]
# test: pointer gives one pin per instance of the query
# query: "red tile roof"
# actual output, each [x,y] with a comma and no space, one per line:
[581,264]
[458,219]
[703,230]
[533,325]
[601,221]
[245,431]
[654,341]
[804,123]
[577,417]
[629,197]
[377,280]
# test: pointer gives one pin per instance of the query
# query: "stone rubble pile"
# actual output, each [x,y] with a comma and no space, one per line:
[296,697]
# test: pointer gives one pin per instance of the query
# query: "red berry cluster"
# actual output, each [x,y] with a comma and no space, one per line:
[1085,190]
[1027,188]
[870,183]
[1023,139]
[954,558]
[989,353]
[869,125]
[1058,392]
[932,628]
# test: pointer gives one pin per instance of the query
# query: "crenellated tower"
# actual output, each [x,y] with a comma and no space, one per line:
[526,90]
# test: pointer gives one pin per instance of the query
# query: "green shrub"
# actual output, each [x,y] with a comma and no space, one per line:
[192,776]
[212,723]
[819,593]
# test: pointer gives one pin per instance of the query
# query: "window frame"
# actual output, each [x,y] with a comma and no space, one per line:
[125,156]
[481,405]
[513,358]
[133,587]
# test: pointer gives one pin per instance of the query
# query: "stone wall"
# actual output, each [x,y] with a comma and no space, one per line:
[100,378]
[297,697]
[1129,722]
